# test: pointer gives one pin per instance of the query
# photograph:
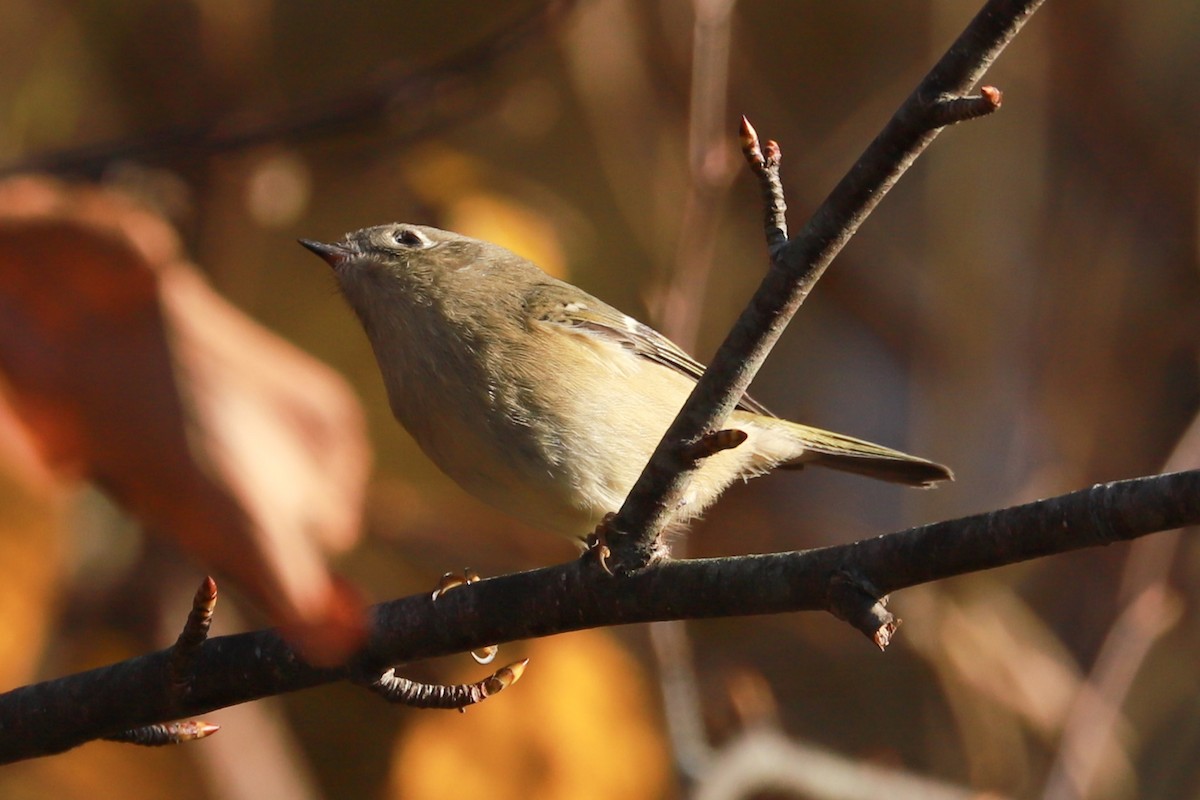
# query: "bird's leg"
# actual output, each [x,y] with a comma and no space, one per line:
[395,689]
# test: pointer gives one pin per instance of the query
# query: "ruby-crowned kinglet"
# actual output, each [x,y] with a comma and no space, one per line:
[540,399]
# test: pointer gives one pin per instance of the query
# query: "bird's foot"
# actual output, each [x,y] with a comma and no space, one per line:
[450,580]
[596,544]
[395,689]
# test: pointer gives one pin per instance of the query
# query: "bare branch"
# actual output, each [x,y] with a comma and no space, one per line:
[180,662]
[712,443]
[195,631]
[765,167]
[763,761]
[56,715]
[795,268]
[952,110]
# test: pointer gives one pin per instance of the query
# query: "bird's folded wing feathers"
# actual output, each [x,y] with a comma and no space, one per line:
[560,304]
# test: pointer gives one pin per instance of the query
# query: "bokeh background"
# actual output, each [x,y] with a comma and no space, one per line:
[1022,307]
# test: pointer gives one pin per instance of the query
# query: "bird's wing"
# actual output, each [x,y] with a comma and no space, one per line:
[565,305]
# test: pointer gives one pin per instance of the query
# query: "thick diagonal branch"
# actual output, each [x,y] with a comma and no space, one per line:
[795,268]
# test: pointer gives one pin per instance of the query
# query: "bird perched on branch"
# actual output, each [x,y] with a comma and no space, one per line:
[542,400]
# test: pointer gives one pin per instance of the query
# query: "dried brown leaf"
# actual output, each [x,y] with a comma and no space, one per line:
[126,367]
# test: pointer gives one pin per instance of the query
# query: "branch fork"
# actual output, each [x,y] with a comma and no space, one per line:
[181,664]
[797,263]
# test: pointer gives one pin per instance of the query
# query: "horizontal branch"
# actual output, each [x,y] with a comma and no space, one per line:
[55,715]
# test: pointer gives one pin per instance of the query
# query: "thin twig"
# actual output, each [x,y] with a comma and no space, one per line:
[679,311]
[710,444]
[764,761]
[195,631]
[1149,611]
[679,306]
[1089,742]
[765,166]
[952,110]
[162,734]
[181,661]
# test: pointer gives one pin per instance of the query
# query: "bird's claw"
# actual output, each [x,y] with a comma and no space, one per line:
[452,581]
[596,545]
[484,655]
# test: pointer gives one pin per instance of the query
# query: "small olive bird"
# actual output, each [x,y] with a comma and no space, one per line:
[542,400]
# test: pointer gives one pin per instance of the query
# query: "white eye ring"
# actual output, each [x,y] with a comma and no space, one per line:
[408,237]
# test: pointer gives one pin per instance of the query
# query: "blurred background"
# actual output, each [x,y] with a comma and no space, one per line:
[1022,307]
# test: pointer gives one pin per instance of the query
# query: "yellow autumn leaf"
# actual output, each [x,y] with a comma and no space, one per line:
[580,725]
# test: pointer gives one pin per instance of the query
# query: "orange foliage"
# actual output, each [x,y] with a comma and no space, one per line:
[577,726]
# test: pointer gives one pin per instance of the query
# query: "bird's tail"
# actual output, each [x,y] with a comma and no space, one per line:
[847,454]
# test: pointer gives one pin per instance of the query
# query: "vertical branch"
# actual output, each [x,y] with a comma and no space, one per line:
[1151,609]
[711,169]
[678,315]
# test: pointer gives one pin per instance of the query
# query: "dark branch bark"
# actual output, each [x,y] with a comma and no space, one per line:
[53,716]
[635,533]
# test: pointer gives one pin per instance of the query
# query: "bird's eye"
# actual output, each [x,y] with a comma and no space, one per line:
[409,238]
